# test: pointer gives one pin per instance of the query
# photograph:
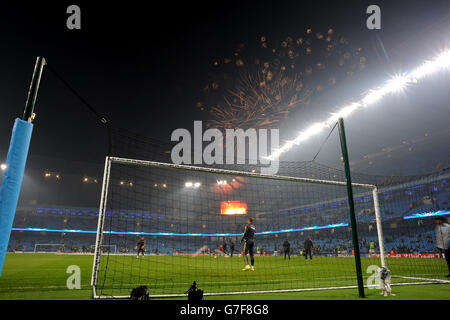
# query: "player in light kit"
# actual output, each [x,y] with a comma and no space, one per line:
[443,240]
[385,281]
[140,247]
[249,242]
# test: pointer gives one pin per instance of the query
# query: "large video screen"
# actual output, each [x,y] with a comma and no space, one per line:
[233,207]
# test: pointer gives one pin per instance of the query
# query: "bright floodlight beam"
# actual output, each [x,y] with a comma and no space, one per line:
[3,166]
[394,85]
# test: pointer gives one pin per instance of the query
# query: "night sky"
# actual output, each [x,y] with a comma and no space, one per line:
[144,67]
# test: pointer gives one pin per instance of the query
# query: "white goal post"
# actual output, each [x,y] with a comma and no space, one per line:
[55,247]
[143,163]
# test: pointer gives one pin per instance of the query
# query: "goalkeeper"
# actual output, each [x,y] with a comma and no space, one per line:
[249,242]
[140,247]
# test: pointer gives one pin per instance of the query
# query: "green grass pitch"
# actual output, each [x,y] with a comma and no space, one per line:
[43,276]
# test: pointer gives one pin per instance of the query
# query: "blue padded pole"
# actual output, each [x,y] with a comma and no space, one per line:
[12,181]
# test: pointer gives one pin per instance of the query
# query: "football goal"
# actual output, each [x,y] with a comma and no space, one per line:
[191,220]
[48,247]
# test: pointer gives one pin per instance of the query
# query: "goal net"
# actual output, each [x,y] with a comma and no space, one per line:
[107,248]
[191,220]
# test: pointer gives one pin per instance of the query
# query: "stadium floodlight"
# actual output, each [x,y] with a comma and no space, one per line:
[312,130]
[396,84]
[3,166]
[442,61]
[371,97]
[192,184]
[343,113]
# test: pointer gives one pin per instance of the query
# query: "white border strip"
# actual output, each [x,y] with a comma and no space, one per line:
[425,279]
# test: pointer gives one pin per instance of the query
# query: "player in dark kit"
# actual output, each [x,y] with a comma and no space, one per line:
[308,248]
[224,247]
[249,242]
[140,247]
[231,248]
[287,249]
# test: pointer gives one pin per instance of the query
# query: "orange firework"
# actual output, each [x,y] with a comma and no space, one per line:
[266,81]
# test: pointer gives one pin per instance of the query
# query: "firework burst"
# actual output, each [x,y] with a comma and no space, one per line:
[259,85]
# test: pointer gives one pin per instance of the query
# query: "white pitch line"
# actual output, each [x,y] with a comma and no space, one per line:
[266,291]
[425,279]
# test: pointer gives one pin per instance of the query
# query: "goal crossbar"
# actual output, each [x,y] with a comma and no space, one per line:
[53,245]
[233,172]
